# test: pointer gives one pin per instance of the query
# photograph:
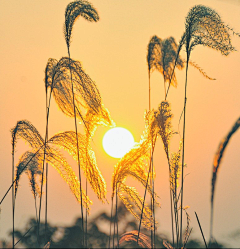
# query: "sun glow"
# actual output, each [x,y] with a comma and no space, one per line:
[117,142]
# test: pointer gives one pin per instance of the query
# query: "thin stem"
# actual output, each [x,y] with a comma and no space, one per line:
[201,230]
[43,168]
[47,107]
[149,90]
[117,218]
[110,233]
[145,192]
[114,225]
[86,214]
[183,150]
[171,200]
[78,156]
[153,205]
[13,198]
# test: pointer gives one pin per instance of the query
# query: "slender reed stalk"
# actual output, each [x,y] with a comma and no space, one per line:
[201,230]
[43,167]
[203,26]
[74,10]
[183,150]
[145,191]
[13,201]
[110,233]
[78,156]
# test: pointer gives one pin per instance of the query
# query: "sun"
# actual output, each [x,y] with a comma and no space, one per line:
[117,142]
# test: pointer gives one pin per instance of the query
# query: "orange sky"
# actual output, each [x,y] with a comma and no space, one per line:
[113,53]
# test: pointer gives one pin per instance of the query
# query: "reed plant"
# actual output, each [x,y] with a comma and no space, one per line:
[78,97]
[73,11]
[203,26]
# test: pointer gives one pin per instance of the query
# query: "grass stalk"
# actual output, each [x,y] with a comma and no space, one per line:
[13,200]
[183,145]
[78,156]
[43,168]
[110,233]
[201,230]
[145,193]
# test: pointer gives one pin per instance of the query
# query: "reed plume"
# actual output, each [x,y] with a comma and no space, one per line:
[175,171]
[132,237]
[162,56]
[67,141]
[134,164]
[86,93]
[203,26]
[216,166]
[74,10]
[31,164]
[33,160]
[163,117]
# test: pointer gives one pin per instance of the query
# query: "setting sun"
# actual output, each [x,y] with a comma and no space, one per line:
[117,142]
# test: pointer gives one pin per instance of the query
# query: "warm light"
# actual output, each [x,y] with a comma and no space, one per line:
[117,142]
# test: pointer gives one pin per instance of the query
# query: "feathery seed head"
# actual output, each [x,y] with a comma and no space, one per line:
[204,26]
[73,11]
[163,118]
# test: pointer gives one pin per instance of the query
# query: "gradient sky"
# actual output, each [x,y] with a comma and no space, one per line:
[113,52]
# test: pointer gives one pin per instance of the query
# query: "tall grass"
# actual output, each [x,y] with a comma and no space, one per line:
[203,26]
[73,11]
[77,96]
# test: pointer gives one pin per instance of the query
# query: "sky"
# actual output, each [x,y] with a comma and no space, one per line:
[113,53]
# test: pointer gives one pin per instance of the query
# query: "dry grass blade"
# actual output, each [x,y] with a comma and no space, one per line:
[132,237]
[195,65]
[73,11]
[217,162]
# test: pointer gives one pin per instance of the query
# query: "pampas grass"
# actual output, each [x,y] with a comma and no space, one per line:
[73,11]
[203,26]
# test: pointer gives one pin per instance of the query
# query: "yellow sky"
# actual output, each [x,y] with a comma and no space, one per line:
[113,53]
